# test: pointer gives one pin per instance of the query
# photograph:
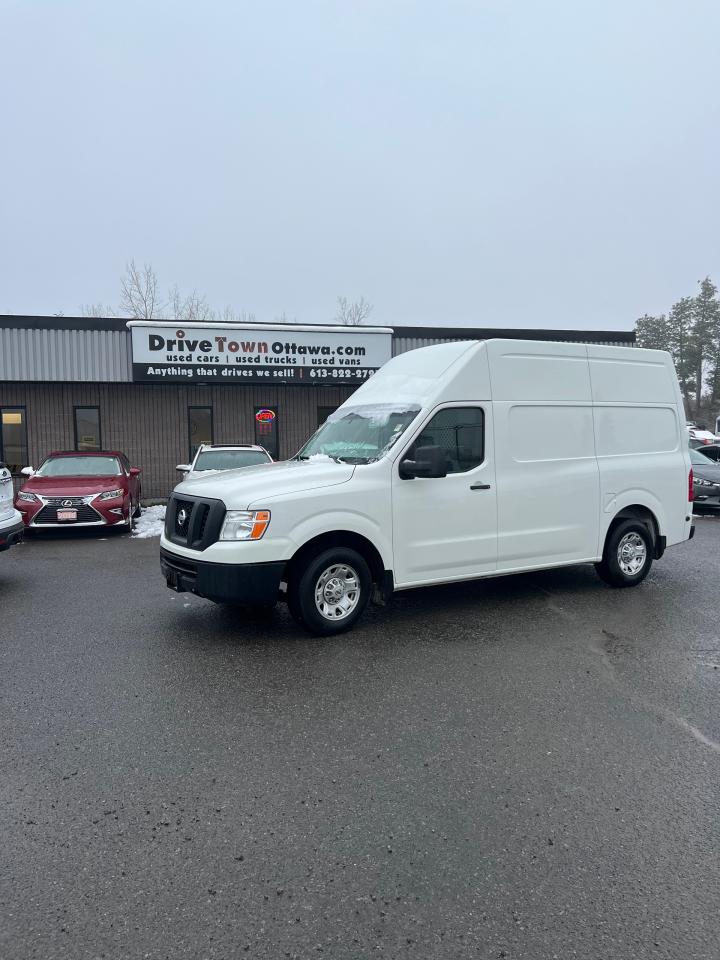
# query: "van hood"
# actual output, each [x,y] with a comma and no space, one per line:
[247,485]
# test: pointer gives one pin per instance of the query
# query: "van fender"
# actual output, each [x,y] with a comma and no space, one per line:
[345,520]
[630,498]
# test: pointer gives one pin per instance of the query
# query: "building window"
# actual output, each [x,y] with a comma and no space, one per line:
[266,430]
[323,413]
[13,438]
[460,433]
[87,429]
[200,427]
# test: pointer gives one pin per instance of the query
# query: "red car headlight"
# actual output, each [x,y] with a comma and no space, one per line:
[111,494]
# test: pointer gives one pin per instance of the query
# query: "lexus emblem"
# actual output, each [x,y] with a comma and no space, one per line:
[182,517]
[67,503]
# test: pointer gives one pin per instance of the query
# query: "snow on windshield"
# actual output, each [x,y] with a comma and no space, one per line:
[360,434]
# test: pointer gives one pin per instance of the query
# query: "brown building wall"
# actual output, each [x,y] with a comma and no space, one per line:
[149,422]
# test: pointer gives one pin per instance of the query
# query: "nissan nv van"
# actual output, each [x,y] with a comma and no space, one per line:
[453,462]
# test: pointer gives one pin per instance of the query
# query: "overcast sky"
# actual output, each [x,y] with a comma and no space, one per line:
[487,162]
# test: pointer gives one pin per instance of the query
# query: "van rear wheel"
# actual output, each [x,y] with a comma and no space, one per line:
[330,594]
[628,555]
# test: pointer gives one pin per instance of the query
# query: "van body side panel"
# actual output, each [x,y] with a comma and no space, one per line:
[641,444]
[547,473]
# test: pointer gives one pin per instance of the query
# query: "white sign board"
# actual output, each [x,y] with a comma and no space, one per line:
[256,353]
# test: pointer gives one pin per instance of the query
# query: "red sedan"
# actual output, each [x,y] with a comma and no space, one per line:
[74,489]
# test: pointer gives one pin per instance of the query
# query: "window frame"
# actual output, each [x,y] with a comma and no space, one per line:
[320,407]
[189,431]
[8,409]
[75,426]
[458,405]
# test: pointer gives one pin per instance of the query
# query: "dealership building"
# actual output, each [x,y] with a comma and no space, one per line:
[156,389]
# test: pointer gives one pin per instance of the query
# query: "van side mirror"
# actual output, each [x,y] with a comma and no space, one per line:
[135,471]
[429,462]
[183,468]
[27,471]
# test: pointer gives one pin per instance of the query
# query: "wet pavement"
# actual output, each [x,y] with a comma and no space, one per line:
[526,767]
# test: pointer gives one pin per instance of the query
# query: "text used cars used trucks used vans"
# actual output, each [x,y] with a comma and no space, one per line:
[453,462]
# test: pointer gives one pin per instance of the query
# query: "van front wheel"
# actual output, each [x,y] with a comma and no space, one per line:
[628,554]
[331,592]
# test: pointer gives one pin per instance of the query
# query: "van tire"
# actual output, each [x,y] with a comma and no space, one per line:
[345,575]
[627,543]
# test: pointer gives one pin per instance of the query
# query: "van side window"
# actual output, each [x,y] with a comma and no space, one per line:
[460,431]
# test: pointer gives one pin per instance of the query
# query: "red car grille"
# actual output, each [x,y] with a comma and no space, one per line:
[48,514]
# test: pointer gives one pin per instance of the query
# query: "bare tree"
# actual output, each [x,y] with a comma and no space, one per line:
[96,310]
[230,315]
[190,309]
[138,292]
[352,314]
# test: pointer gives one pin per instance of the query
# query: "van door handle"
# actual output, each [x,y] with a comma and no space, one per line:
[479,486]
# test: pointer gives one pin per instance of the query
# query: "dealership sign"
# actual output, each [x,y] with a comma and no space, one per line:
[256,353]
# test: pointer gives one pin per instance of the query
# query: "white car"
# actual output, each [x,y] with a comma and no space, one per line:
[701,436]
[211,457]
[452,462]
[11,524]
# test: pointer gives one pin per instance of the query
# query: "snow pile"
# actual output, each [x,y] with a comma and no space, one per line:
[151,523]
[320,458]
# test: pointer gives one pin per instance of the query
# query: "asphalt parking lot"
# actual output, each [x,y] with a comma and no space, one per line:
[526,767]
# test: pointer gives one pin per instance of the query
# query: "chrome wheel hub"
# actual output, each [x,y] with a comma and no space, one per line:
[632,554]
[337,592]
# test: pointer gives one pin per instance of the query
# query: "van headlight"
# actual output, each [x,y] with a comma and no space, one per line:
[245,524]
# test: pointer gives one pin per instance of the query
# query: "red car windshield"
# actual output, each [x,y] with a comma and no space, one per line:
[80,467]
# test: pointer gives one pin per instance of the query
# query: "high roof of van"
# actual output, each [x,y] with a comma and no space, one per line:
[521,371]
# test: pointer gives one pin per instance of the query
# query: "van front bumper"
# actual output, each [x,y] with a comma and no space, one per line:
[254,584]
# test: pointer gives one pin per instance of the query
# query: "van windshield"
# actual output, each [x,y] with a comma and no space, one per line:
[360,434]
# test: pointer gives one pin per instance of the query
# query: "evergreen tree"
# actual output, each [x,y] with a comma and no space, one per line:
[681,346]
[706,338]
[653,333]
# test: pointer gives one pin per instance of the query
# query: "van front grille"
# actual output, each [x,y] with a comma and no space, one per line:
[194,522]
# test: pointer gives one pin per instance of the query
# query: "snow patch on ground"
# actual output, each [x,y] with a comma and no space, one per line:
[150,524]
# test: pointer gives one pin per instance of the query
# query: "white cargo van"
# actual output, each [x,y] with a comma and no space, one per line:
[458,461]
